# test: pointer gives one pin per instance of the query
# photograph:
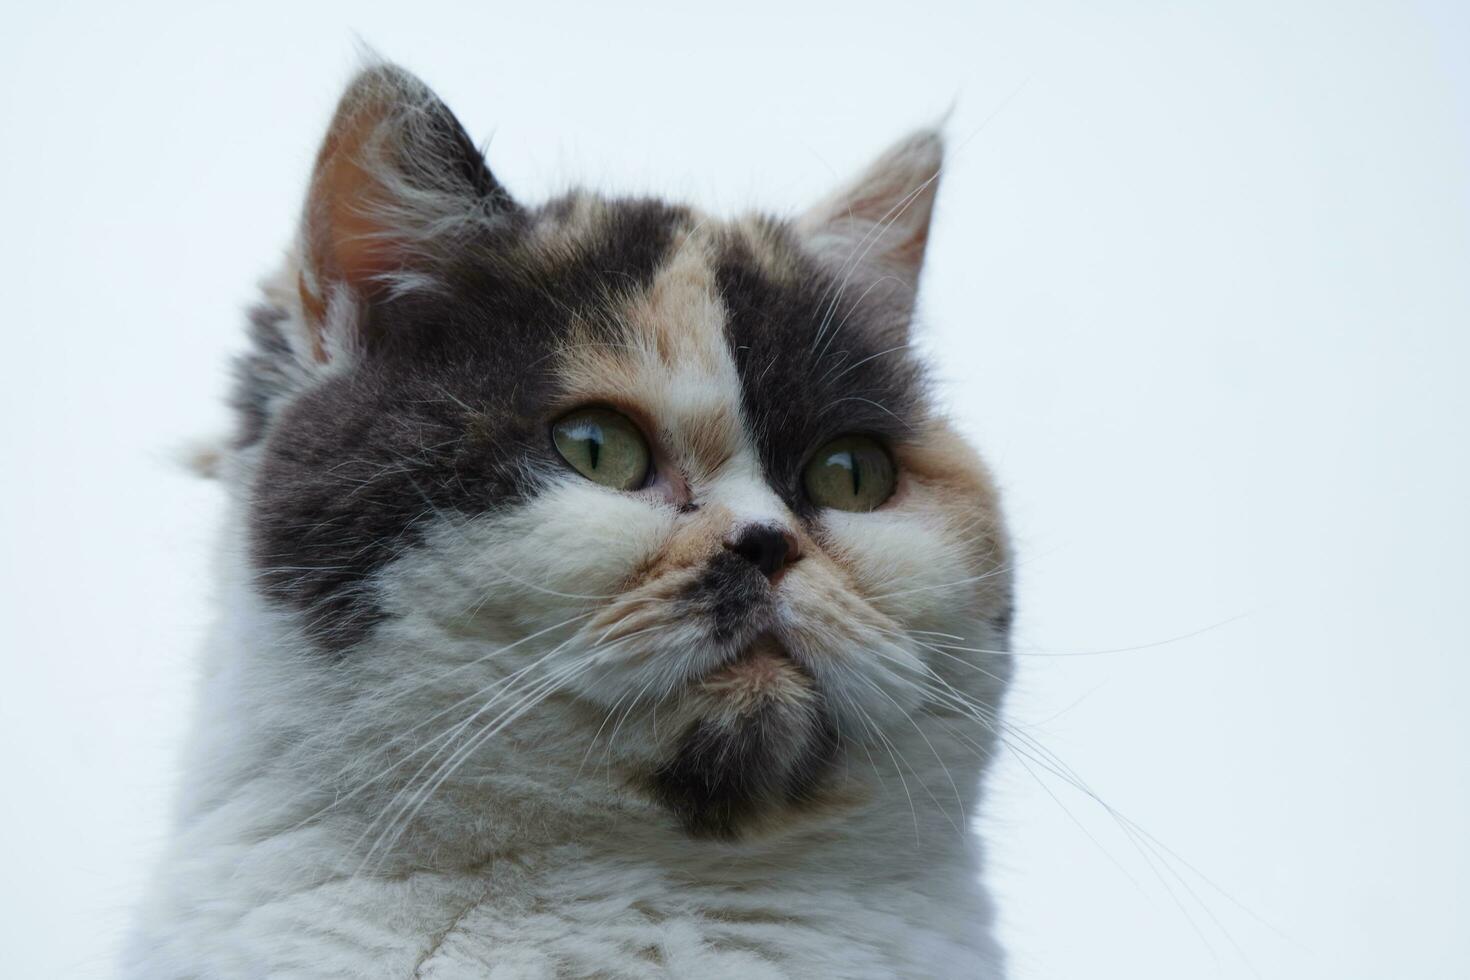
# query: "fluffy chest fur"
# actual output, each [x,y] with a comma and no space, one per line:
[604,596]
[597,908]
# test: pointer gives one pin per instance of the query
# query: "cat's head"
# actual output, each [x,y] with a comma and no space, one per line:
[614,474]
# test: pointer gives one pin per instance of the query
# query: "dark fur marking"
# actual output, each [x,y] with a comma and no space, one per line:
[799,390]
[355,467]
[259,377]
[732,596]
[720,779]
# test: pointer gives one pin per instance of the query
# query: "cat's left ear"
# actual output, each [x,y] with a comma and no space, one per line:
[877,225]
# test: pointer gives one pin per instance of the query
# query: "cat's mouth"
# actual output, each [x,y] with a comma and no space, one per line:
[763,671]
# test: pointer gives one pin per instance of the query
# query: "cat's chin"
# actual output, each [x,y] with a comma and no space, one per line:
[763,672]
[758,746]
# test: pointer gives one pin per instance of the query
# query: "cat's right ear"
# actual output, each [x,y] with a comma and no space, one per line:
[396,181]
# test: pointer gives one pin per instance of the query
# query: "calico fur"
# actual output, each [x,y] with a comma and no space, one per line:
[466,713]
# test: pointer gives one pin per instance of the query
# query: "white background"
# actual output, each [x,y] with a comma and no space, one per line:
[1200,287]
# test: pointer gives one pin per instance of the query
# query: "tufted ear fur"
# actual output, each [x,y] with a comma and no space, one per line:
[397,179]
[877,226]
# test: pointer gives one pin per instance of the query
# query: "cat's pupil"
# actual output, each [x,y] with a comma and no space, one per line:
[594,446]
[857,475]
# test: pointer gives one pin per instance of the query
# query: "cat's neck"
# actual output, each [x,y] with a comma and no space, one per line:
[839,901]
[864,894]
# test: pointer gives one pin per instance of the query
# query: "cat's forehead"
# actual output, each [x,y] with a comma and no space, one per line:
[667,353]
[721,328]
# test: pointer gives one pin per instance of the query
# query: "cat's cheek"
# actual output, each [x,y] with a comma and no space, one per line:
[573,542]
[901,558]
[860,658]
[596,536]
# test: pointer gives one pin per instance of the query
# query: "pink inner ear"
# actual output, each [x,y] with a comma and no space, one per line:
[345,244]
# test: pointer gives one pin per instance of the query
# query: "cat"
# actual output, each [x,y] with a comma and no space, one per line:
[603,592]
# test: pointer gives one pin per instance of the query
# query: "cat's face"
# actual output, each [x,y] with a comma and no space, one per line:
[670,487]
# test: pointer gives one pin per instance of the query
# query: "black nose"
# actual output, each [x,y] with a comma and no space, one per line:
[766,546]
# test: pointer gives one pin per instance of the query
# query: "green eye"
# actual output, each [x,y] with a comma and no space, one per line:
[850,473]
[604,447]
